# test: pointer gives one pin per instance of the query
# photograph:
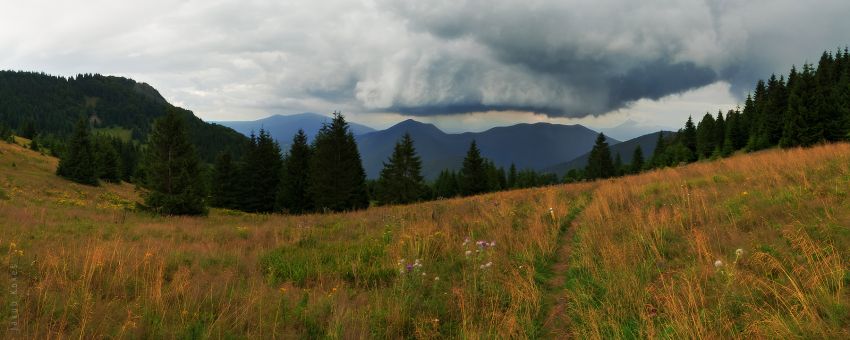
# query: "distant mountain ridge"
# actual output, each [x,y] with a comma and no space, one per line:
[626,150]
[528,146]
[283,127]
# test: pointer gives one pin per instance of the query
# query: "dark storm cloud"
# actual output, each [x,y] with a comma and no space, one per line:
[566,58]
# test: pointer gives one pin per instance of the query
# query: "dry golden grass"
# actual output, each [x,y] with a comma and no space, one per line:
[642,265]
[657,254]
[89,268]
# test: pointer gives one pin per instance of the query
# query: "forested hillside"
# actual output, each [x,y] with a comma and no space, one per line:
[47,107]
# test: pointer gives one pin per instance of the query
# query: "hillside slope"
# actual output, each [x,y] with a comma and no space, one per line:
[626,150]
[641,259]
[52,105]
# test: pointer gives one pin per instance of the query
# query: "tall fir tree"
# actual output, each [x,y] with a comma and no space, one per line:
[77,163]
[262,165]
[719,133]
[107,162]
[599,163]
[473,175]
[225,183]
[637,160]
[689,136]
[337,178]
[511,181]
[173,170]
[705,137]
[293,196]
[658,159]
[401,179]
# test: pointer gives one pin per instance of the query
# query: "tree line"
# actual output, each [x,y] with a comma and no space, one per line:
[809,106]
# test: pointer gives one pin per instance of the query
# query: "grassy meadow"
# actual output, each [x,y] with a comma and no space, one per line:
[652,255]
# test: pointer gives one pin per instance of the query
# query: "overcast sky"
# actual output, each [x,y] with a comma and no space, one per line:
[464,65]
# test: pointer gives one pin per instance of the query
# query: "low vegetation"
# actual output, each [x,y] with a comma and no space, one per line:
[753,245]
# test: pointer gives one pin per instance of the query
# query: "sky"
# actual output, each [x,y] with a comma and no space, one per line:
[464,65]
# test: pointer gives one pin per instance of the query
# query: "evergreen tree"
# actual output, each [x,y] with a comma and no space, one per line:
[618,165]
[719,133]
[34,145]
[705,136]
[107,162]
[689,137]
[401,180]
[293,196]
[637,160]
[225,183]
[473,175]
[173,169]
[658,159]
[732,136]
[262,165]
[511,181]
[77,162]
[337,180]
[27,130]
[599,164]
[446,185]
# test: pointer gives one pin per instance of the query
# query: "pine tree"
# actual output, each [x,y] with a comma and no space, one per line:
[34,145]
[77,162]
[637,160]
[473,175]
[337,178]
[173,170]
[705,136]
[293,196]
[618,165]
[107,162]
[401,180]
[599,164]
[732,133]
[719,133]
[658,159]
[512,176]
[225,183]
[261,173]
[689,137]
[446,185]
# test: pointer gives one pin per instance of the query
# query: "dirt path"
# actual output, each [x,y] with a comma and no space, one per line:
[555,323]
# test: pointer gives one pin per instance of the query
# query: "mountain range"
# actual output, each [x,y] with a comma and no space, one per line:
[537,146]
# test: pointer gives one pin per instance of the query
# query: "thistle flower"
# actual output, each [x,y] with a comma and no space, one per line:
[718,264]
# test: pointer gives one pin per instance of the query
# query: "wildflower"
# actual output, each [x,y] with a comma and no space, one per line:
[283,289]
[492,244]
[436,278]
[718,264]
[466,241]
[739,252]
[423,273]
[744,193]
[468,252]
[409,268]
[20,253]
[520,267]
[12,245]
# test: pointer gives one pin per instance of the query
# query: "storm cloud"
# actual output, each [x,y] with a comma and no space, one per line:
[247,59]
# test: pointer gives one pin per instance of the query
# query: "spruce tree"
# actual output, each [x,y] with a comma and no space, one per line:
[446,185]
[107,162]
[511,181]
[658,159]
[293,196]
[173,171]
[599,163]
[225,183]
[689,136]
[618,165]
[401,180]
[337,177]
[719,133]
[262,165]
[637,160]
[77,163]
[473,174]
[705,136]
